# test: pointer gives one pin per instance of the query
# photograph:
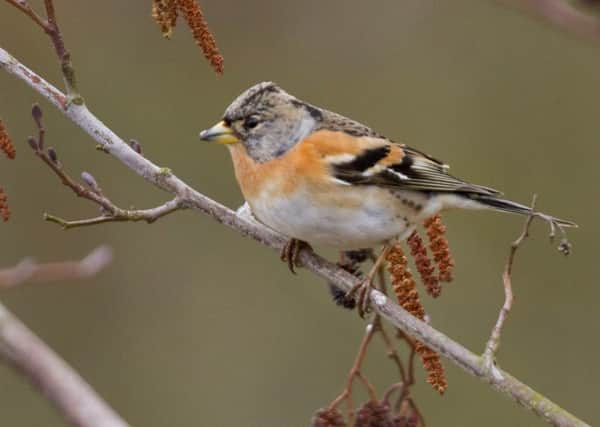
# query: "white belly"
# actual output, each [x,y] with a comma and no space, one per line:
[359,217]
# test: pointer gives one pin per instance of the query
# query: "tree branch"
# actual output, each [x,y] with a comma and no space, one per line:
[24,7]
[120,215]
[22,349]
[50,27]
[93,192]
[29,271]
[561,14]
[75,399]
[456,353]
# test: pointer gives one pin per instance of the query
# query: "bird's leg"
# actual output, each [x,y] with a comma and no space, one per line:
[290,252]
[363,287]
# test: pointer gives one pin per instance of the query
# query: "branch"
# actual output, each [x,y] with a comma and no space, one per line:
[21,348]
[493,343]
[355,372]
[120,215]
[110,211]
[24,7]
[75,399]
[50,27]
[29,271]
[456,353]
[561,14]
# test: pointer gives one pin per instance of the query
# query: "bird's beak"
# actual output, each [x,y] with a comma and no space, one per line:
[220,133]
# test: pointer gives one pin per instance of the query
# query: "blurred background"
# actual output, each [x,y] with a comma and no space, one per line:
[195,325]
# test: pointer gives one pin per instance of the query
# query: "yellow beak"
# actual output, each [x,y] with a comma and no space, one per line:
[220,133]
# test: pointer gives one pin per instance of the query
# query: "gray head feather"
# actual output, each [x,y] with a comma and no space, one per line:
[270,121]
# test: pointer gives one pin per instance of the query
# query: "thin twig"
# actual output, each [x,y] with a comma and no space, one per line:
[411,358]
[21,348]
[92,191]
[68,71]
[51,28]
[561,14]
[375,327]
[493,343]
[387,395]
[393,354]
[417,411]
[24,7]
[400,318]
[355,373]
[55,379]
[121,215]
[30,271]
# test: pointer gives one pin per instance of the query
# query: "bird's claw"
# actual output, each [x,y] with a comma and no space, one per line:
[360,293]
[291,251]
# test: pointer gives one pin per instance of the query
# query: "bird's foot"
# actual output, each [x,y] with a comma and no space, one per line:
[360,291]
[291,251]
[360,294]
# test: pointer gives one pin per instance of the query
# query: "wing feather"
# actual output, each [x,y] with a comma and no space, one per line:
[410,169]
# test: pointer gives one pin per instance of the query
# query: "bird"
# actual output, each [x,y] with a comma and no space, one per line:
[320,178]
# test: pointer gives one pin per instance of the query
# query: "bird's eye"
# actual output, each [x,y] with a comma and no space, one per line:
[250,122]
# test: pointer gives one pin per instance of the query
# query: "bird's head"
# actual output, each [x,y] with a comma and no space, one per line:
[267,120]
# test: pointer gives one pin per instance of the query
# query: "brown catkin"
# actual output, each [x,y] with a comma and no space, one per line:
[439,247]
[374,414]
[6,144]
[405,289]
[164,13]
[403,282]
[4,210]
[327,417]
[424,265]
[204,38]
[433,366]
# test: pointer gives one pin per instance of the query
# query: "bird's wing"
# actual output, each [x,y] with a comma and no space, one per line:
[378,161]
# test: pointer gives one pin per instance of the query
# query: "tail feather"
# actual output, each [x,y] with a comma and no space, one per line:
[509,206]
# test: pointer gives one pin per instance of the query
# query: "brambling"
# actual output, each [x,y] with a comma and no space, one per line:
[322,178]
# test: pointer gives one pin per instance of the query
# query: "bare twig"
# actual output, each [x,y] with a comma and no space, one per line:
[21,348]
[404,401]
[392,353]
[30,271]
[411,357]
[355,373]
[408,380]
[120,215]
[50,26]
[75,399]
[24,7]
[351,261]
[400,318]
[561,14]
[93,192]
[493,343]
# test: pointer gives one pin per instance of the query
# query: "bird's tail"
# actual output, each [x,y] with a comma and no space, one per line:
[504,205]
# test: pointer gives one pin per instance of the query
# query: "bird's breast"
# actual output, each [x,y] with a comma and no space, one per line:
[298,204]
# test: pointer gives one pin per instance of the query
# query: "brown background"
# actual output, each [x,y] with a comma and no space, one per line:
[195,325]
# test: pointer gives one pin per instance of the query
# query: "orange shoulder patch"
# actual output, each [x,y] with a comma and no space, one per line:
[330,143]
[307,163]
[339,147]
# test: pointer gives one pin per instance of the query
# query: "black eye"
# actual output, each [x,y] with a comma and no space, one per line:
[250,122]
